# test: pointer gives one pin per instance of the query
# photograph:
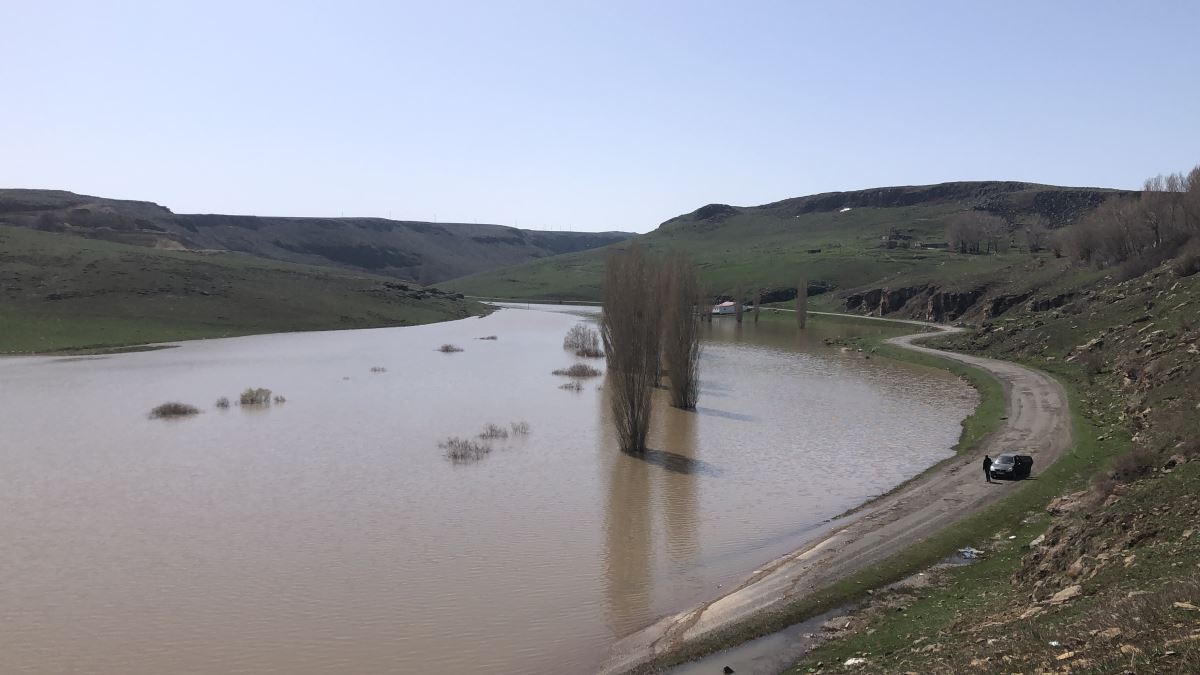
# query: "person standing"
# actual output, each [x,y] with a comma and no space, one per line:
[987,468]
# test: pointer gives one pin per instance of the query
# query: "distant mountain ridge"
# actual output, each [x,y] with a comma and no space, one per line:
[1052,205]
[423,252]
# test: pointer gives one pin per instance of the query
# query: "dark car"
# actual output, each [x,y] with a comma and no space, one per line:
[1012,467]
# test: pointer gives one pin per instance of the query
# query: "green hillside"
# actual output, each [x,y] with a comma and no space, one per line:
[61,292]
[835,239]
[422,252]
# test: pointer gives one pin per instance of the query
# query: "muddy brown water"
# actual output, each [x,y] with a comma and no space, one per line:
[330,534]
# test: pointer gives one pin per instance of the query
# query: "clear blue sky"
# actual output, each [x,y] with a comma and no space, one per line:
[596,115]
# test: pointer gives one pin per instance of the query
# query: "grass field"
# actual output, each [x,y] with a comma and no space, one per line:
[759,248]
[59,292]
[837,239]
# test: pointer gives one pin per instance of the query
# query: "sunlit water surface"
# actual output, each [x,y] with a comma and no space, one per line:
[330,533]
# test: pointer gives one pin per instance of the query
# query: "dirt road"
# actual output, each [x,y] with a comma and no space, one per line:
[1038,424]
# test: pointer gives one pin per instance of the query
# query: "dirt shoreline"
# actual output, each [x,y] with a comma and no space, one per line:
[1038,423]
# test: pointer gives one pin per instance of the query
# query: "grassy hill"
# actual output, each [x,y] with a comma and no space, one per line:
[422,252]
[833,238]
[62,292]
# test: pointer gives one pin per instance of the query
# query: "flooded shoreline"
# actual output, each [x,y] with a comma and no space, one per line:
[331,533]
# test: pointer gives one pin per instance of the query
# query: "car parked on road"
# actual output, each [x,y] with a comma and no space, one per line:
[1012,467]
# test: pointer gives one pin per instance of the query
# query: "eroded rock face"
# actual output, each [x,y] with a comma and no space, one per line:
[923,302]
[1002,303]
[881,301]
[949,305]
[1046,304]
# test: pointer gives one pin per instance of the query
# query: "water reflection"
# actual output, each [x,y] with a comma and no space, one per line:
[628,534]
[671,471]
[680,489]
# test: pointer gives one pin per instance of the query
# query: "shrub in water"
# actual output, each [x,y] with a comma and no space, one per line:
[378,369]
[578,370]
[280,399]
[223,402]
[252,396]
[520,428]
[571,386]
[173,409]
[583,340]
[493,431]
[462,450]
[489,337]
[449,349]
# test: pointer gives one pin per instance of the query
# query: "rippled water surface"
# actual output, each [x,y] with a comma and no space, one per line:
[330,533]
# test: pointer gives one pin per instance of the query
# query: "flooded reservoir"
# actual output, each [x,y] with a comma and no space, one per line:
[330,533]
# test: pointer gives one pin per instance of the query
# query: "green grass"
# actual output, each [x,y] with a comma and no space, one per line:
[762,248]
[59,292]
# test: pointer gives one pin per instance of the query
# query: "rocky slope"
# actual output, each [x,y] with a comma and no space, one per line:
[1105,578]
[422,252]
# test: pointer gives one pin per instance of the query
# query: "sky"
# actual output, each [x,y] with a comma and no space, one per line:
[571,115]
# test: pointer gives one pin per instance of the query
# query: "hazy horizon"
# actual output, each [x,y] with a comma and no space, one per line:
[598,117]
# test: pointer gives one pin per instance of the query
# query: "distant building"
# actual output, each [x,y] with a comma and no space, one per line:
[728,307]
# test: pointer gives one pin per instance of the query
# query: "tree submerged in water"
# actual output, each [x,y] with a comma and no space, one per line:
[681,331]
[650,316]
[629,326]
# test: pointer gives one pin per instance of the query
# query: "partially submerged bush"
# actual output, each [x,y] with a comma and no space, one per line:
[255,396]
[173,409]
[449,349]
[520,428]
[489,337]
[462,450]
[493,431]
[572,386]
[378,369]
[223,402]
[584,341]
[578,370]
[280,399]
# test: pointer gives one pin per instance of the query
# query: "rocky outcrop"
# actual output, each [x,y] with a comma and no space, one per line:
[1002,303]
[923,302]
[1046,304]
[950,305]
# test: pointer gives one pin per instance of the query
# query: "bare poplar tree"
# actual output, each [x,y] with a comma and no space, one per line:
[630,331]
[681,331]
[802,303]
